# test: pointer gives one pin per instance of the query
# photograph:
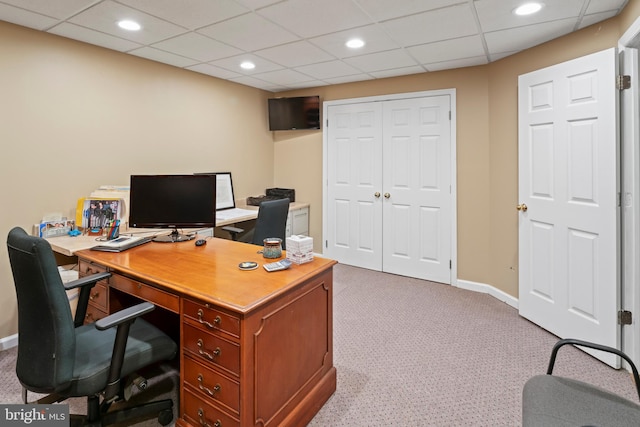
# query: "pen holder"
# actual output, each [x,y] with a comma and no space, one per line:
[112,232]
[272,247]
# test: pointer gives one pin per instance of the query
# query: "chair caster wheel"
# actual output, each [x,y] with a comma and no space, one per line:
[165,417]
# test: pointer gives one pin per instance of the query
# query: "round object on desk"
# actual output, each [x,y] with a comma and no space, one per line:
[248,265]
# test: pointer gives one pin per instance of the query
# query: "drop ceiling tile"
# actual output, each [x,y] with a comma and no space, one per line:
[458,63]
[257,4]
[261,84]
[498,56]
[595,18]
[25,18]
[249,32]
[190,14]
[427,27]
[162,56]
[493,14]
[605,5]
[526,37]
[447,50]
[284,77]
[381,10]
[295,54]
[196,46]
[381,61]
[327,70]
[375,38]
[104,17]
[59,9]
[310,18]
[404,71]
[97,38]
[233,64]
[349,79]
[214,71]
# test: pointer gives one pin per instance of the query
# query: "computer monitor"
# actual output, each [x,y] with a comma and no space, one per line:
[172,201]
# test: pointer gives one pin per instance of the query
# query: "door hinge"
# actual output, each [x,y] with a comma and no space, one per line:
[449,264]
[327,123]
[624,317]
[623,82]
[326,243]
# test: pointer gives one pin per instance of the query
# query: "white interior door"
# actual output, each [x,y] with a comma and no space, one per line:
[417,188]
[354,165]
[568,180]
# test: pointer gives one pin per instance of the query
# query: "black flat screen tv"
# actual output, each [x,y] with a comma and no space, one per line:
[302,112]
[172,201]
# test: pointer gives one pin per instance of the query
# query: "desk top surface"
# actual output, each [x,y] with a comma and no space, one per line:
[208,272]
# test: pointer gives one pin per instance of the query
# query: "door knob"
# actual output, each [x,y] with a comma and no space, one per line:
[522,207]
[377,194]
[387,195]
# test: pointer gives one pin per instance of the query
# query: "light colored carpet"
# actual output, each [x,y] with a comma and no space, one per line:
[415,353]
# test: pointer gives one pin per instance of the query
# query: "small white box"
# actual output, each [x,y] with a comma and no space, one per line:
[299,249]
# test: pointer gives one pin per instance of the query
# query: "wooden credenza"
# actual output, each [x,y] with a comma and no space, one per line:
[256,348]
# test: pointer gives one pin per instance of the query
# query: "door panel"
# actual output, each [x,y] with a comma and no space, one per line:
[568,179]
[416,215]
[354,164]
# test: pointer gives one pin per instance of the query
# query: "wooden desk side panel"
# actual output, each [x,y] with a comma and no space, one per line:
[292,351]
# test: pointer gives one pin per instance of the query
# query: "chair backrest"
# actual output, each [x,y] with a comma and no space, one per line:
[46,336]
[271,221]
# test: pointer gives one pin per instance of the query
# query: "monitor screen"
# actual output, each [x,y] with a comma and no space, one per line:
[302,112]
[172,201]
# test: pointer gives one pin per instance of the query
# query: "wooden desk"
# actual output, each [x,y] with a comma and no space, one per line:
[256,348]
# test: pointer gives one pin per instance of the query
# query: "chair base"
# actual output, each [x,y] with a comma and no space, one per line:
[163,409]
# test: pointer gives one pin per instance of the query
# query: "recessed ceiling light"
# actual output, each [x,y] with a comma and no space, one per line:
[248,65]
[355,43]
[527,9]
[129,25]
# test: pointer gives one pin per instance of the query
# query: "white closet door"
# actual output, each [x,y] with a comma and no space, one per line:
[354,156]
[417,188]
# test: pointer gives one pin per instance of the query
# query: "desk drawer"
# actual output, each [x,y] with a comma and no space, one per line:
[212,385]
[94,313]
[99,296]
[148,293]
[85,268]
[210,319]
[199,412]
[210,348]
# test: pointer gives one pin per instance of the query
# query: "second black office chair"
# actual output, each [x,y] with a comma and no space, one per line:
[271,222]
[67,359]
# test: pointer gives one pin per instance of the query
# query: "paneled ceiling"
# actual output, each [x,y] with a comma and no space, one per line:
[301,43]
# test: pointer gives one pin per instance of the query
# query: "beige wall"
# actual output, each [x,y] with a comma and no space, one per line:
[75,116]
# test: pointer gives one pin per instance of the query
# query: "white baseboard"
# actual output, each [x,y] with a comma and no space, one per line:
[8,342]
[488,289]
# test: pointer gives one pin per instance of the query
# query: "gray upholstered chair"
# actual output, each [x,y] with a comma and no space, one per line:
[553,401]
[63,358]
[271,222]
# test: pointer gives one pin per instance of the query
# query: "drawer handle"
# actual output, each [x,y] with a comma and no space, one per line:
[203,421]
[88,316]
[217,320]
[209,356]
[206,389]
[94,296]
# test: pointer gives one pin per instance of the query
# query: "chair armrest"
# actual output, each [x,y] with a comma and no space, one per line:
[571,341]
[233,230]
[128,314]
[86,280]
[85,284]
[122,320]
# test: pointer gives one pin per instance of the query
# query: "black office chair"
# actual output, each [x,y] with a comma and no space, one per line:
[63,357]
[271,222]
[550,400]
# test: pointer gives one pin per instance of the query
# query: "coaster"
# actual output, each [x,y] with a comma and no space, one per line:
[248,265]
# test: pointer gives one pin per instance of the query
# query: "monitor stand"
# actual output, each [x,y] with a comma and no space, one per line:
[174,237]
